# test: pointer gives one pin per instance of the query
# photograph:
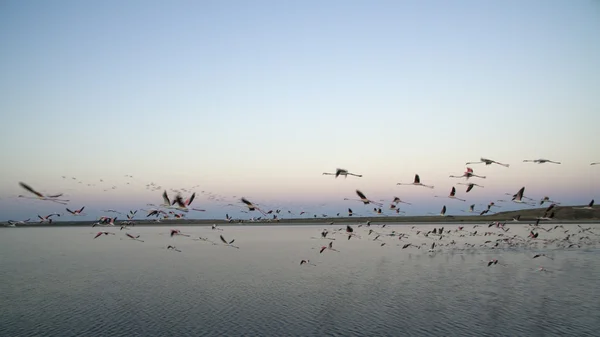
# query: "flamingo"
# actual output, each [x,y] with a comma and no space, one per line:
[40,196]
[442,213]
[470,186]
[105,233]
[547,199]
[589,206]
[328,247]
[307,262]
[364,199]
[518,198]
[342,172]
[177,232]
[136,238]
[416,182]
[468,174]
[452,195]
[471,209]
[487,162]
[47,218]
[169,247]
[228,243]
[540,161]
[22,222]
[251,206]
[77,211]
[397,200]
[183,205]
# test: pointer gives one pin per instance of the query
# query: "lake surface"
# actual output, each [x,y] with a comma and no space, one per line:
[62,282]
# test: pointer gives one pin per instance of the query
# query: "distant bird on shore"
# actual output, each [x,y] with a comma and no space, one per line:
[540,161]
[487,162]
[416,182]
[342,172]
[470,186]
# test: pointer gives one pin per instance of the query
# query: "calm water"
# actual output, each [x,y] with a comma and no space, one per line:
[62,282]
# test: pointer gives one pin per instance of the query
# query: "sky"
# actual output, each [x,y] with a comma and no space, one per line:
[258,98]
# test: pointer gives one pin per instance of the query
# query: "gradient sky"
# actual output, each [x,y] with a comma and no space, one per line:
[258,98]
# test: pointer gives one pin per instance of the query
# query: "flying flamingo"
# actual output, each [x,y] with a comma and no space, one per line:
[183,205]
[470,186]
[487,162]
[518,198]
[452,195]
[589,206]
[342,172]
[169,247]
[251,206]
[136,238]
[177,232]
[328,247]
[397,200]
[77,211]
[105,233]
[547,199]
[471,209]
[540,161]
[40,196]
[47,218]
[468,174]
[307,262]
[228,243]
[416,182]
[442,213]
[364,199]
[22,222]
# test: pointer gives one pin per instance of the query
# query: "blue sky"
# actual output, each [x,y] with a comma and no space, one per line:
[258,98]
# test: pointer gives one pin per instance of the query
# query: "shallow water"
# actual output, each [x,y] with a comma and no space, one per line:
[62,282]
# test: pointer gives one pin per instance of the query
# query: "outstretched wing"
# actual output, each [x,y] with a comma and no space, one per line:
[28,188]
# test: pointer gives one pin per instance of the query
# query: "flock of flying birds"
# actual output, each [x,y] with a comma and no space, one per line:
[179,206]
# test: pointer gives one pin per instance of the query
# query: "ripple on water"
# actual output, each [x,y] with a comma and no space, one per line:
[55,284]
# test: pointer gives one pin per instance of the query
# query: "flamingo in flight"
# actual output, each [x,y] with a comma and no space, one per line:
[547,199]
[471,209]
[342,172]
[169,247]
[518,198]
[589,206]
[40,196]
[251,206]
[470,186]
[468,174]
[452,195]
[229,244]
[47,218]
[442,213]
[177,232]
[328,247]
[487,162]
[22,222]
[183,205]
[136,238]
[364,199]
[416,182]
[77,211]
[540,161]
[103,233]
[397,200]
